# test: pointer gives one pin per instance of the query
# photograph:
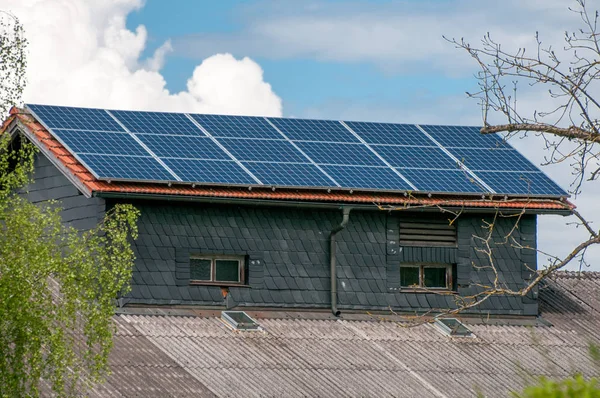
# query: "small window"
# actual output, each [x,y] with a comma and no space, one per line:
[426,276]
[453,327]
[217,270]
[239,320]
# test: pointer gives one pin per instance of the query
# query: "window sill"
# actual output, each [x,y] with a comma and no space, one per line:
[425,290]
[219,284]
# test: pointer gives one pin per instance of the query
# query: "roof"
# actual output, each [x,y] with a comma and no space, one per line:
[90,186]
[188,356]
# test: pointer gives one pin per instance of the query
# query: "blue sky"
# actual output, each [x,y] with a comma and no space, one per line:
[309,86]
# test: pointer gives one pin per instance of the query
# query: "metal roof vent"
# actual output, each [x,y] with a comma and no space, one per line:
[453,327]
[239,320]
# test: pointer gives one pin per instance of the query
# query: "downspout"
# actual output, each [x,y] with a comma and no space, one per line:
[332,250]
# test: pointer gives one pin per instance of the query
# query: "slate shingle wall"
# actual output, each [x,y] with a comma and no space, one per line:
[50,184]
[287,253]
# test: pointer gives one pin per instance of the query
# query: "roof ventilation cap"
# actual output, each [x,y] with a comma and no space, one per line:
[453,327]
[239,320]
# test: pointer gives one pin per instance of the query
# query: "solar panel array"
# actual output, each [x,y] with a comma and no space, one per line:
[260,151]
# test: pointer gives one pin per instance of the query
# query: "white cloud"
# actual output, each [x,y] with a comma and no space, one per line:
[82,54]
[157,61]
[396,36]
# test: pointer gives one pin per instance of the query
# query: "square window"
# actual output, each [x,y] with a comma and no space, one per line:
[426,276]
[435,277]
[409,277]
[200,269]
[216,270]
[227,270]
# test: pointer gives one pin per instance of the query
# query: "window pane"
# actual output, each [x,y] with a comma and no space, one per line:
[199,269]
[227,270]
[409,276]
[435,277]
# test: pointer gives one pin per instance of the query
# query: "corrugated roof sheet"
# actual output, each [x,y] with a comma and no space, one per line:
[43,137]
[190,356]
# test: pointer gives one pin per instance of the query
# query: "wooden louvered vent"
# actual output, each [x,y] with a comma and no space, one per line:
[427,232]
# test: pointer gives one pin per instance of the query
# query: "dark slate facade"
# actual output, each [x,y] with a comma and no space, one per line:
[287,253]
[50,184]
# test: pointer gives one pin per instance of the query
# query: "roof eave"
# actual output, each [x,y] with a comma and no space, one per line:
[322,204]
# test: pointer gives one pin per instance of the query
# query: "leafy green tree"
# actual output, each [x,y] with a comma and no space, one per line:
[57,285]
[573,387]
[13,61]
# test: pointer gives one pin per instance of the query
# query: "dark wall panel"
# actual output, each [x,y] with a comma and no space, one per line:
[50,184]
[287,253]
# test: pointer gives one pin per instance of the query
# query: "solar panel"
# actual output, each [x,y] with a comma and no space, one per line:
[338,153]
[464,137]
[521,183]
[415,157]
[63,117]
[126,167]
[209,171]
[442,180]
[289,174]
[263,150]
[237,126]
[100,142]
[314,130]
[367,177]
[157,123]
[387,133]
[492,159]
[183,146]
[243,150]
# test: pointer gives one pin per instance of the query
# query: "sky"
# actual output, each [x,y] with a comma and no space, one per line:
[372,60]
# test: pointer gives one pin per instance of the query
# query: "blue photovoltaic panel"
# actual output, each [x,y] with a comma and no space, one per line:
[492,159]
[126,167]
[289,174]
[391,134]
[263,150]
[464,136]
[106,148]
[157,123]
[314,130]
[442,180]
[520,183]
[209,171]
[173,146]
[62,117]
[100,142]
[338,153]
[416,157]
[237,126]
[367,177]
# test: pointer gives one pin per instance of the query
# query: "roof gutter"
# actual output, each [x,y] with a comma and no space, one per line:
[306,204]
[332,258]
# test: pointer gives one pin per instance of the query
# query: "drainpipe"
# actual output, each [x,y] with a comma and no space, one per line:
[332,250]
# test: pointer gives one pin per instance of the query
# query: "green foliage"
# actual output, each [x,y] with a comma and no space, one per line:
[13,46]
[57,287]
[572,387]
[594,351]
